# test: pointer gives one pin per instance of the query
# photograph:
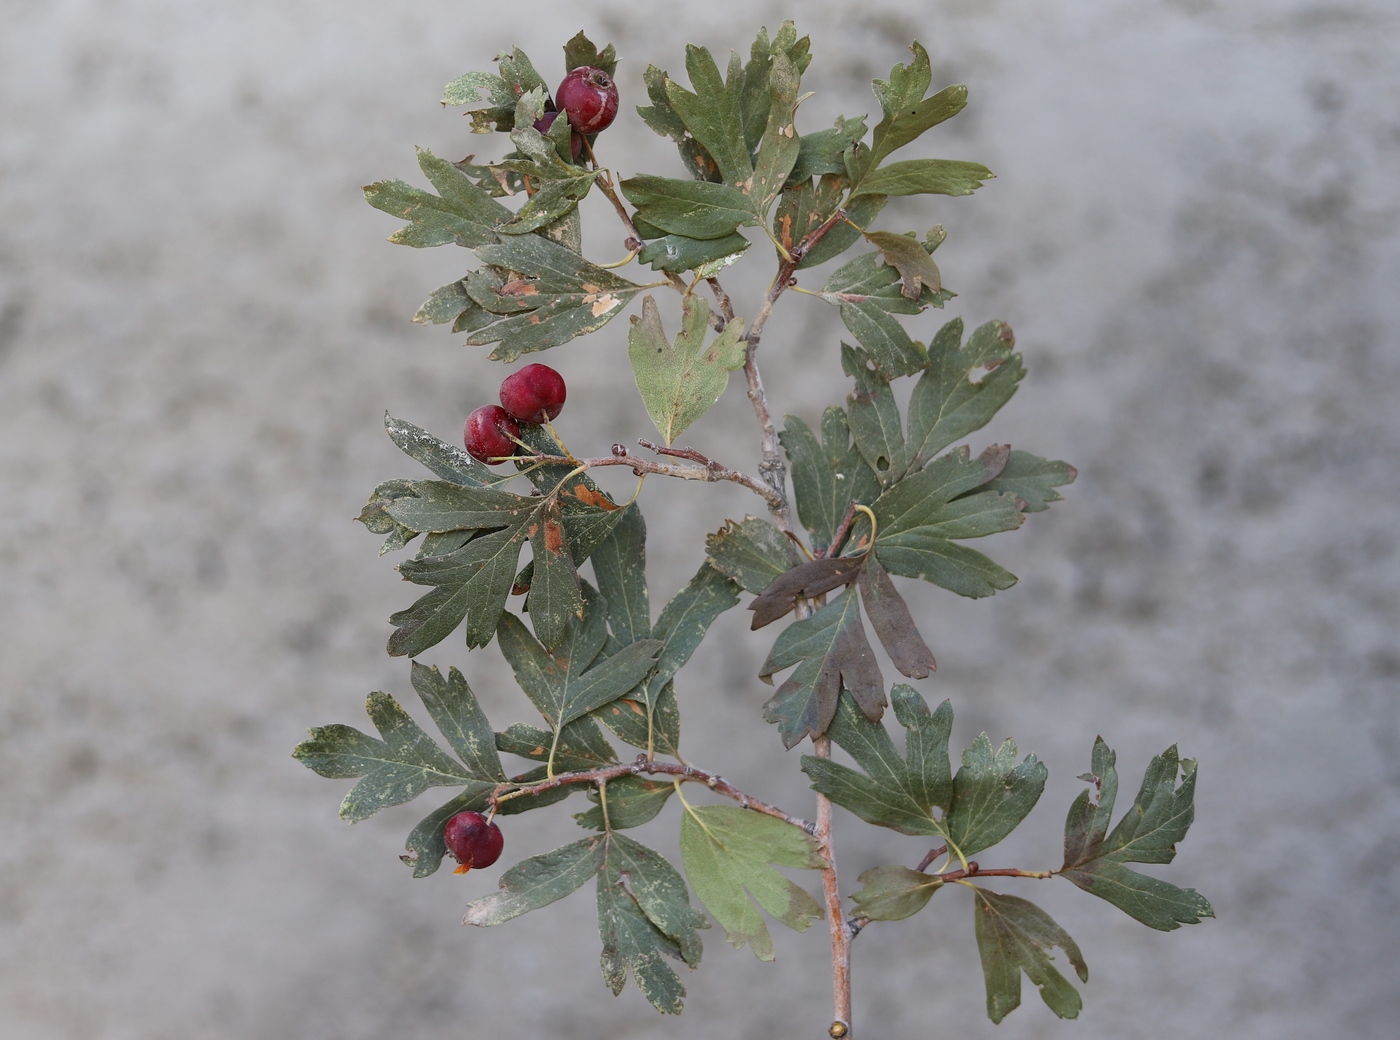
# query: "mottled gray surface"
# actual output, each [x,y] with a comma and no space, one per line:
[1194,232]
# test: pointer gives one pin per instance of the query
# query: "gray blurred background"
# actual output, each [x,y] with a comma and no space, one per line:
[1194,233]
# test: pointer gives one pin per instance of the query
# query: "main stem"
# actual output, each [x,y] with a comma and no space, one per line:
[773,470]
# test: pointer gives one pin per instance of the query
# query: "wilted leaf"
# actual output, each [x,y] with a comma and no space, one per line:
[1097,861]
[911,259]
[1014,936]
[681,381]
[805,581]
[889,616]
[727,852]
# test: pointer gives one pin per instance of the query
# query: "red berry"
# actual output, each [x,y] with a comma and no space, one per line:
[535,394]
[472,840]
[544,122]
[589,95]
[489,434]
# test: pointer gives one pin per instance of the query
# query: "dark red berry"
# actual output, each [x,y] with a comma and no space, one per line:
[535,394]
[589,95]
[544,122]
[489,434]
[472,840]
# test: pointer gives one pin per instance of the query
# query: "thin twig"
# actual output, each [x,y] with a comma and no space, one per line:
[972,870]
[508,791]
[831,889]
[709,470]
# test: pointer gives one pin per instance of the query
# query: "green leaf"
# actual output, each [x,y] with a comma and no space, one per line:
[874,418]
[868,294]
[445,460]
[826,477]
[1147,833]
[727,852]
[462,212]
[921,514]
[1015,936]
[1032,480]
[561,684]
[824,152]
[894,790]
[860,213]
[559,184]
[581,745]
[832,653]
[455,711]
[554,296]
[711,111]
[992,794]
[620,567]
[632,801]
[663,118]
[925,177]
[425,848]
[517,77]
[906,118]
[648,717]
[644,915]
[538,881]
[778,150]
[693,209]
[394,770]
[676,253]
[755,101]
[752,552]
[580,51]
[907,255]
[446,304]
[681,381]
[946,405]
[893,892]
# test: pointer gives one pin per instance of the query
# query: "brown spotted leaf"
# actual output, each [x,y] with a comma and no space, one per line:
[806,581]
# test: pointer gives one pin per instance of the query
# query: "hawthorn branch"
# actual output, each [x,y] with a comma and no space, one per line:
[708,469]
[643,765]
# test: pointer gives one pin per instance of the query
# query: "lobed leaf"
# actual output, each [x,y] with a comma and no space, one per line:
[1014,936]
[1097,861]
[832,653]
[727,852]
[581,51]
[680,381]
[753,552]
[924,177]
[827,476]
[632,801]
[946,405]
[992,794]
[538,881]
[890,790]
[517,77]
[462,212]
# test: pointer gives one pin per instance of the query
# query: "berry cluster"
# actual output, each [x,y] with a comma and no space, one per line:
[535,394]
[473,840]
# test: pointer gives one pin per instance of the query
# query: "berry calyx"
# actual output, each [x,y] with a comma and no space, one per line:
[535,394]
[544,122]
[490,434]
[473,840]
[589,95]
